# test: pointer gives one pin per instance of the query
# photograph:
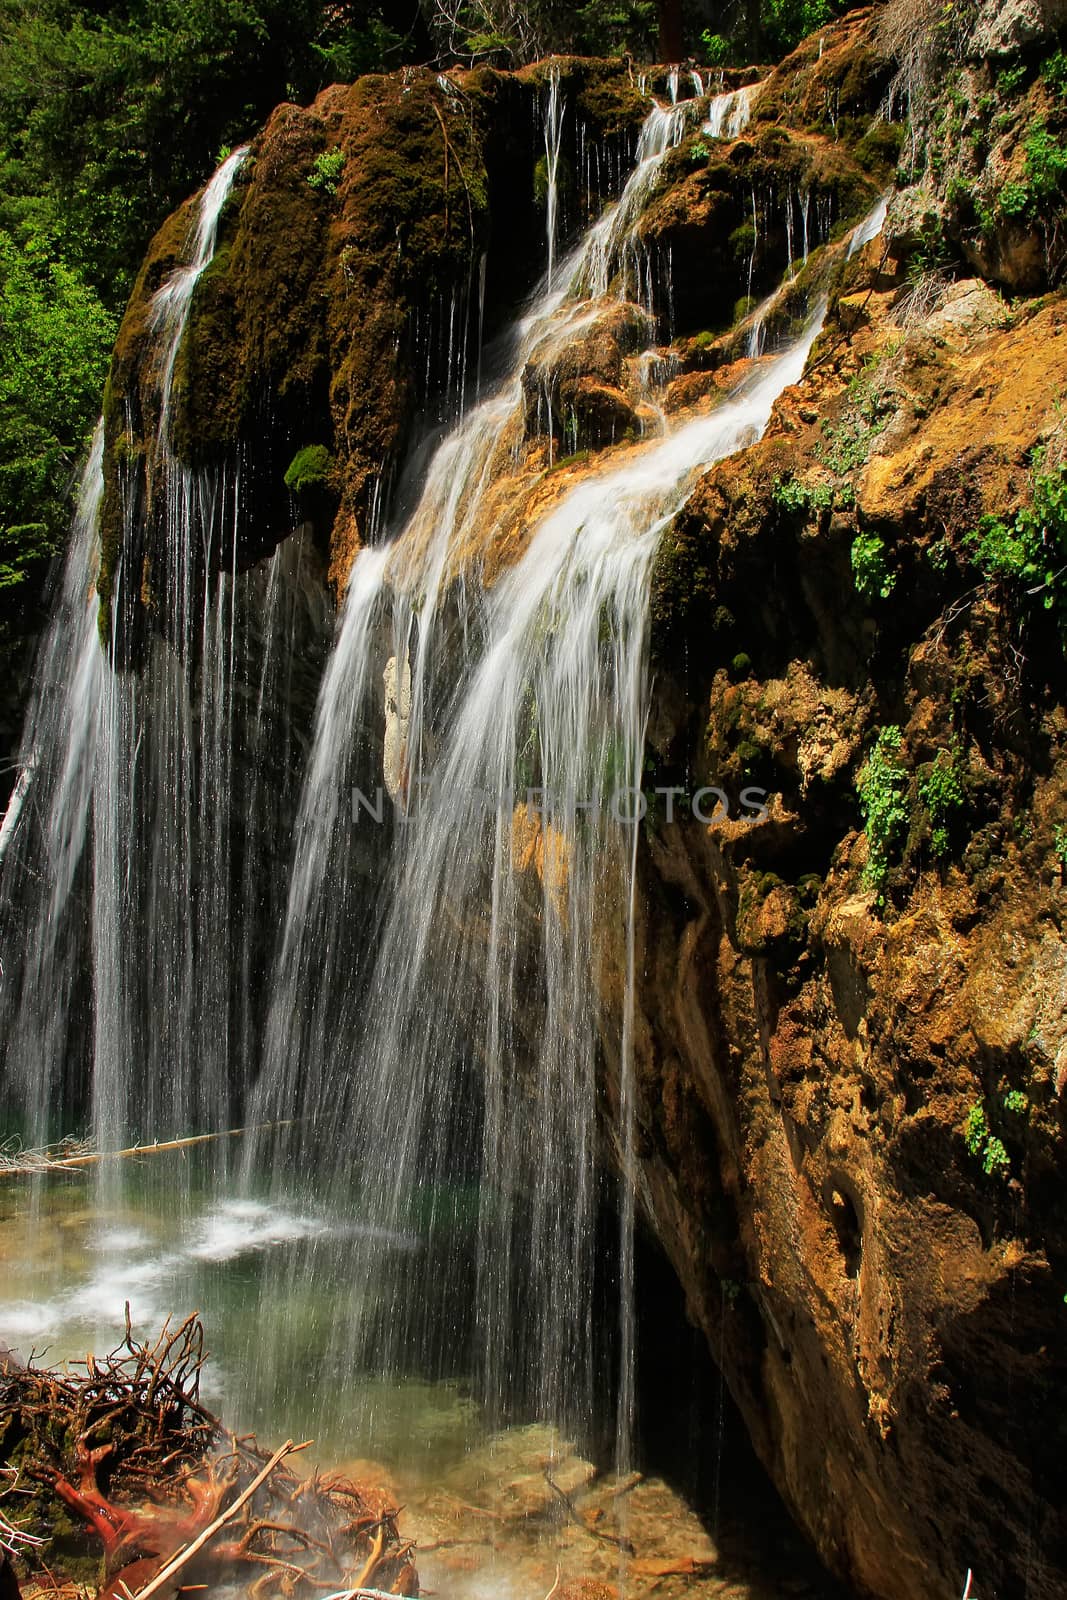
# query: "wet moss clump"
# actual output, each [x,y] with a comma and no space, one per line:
[309,468]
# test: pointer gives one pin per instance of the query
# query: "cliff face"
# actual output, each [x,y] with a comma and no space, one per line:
[851,1039]
[852,1035]
[852,1122]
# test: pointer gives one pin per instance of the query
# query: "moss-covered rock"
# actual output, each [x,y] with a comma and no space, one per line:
[346,309]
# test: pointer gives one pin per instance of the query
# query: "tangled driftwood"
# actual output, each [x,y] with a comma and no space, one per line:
[174,1499]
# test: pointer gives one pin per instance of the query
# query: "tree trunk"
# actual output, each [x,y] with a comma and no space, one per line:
[753,30]
[671,46]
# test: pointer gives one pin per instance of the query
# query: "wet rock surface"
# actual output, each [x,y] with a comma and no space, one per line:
[811,1048]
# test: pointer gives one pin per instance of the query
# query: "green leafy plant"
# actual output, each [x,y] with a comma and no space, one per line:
[995,1159]
[1013,199]
[1011,79]
[1044,178]
[846,444]
[1054,72]
[937,555]
[983,1144]
[1059,844]
[797,497]
[309,467]
[325,174]
[870,572]
[1029,549]
[698,153]
[1046,163]
[882,787]
[975,1128]
[716,48]
[941,791]
[492,44]
[1016,1102]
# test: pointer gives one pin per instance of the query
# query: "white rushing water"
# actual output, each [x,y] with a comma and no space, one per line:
[150,815]
[729,114]
[46,824]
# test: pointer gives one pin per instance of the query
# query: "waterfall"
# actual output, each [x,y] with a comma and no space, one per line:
[432,901]
[169,312]
[449,1068]
[136,962]
[870,227]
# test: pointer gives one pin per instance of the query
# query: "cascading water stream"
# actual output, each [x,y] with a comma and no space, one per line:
[729,113]
[444,986]
[170,307]
[46,825]
[128,972]
[162,851]
[553,136]
[454,1065]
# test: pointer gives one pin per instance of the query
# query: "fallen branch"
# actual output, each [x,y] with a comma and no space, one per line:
[31,1162]
[186,1555]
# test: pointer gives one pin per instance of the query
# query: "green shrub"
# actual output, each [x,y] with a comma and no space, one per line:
[1029,549]
[882,787]
[716,48]
[57,338]
[870,572]
[698,153]
[1044,180]
[325,174]
[1054,72]
[1013,200]
[308,468]
[1059,844]
[1016,1102]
